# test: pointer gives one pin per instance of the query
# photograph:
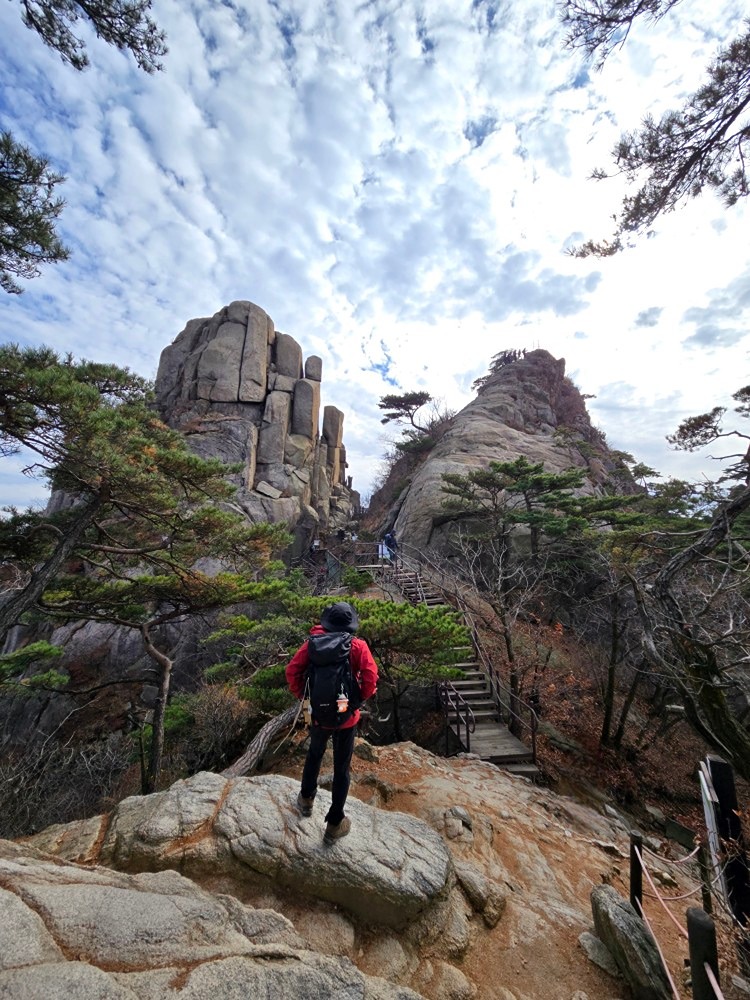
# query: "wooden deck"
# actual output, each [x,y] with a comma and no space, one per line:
[493,741]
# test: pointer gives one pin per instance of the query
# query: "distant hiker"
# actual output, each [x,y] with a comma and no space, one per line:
[391,545]
[336,672]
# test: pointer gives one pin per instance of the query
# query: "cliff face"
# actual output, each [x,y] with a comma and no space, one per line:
[240,391]
[528,408]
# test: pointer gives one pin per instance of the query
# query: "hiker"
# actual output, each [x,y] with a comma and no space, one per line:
[337,672]
[391,545]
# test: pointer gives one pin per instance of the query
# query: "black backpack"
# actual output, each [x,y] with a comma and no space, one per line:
[330,675]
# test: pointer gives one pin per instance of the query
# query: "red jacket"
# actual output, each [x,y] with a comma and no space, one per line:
[364,668]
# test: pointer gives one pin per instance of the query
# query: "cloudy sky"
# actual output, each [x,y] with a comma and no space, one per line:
[396,184]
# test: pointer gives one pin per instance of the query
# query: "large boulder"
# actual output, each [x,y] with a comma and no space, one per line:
[391,869]
[74,933]
[628,941]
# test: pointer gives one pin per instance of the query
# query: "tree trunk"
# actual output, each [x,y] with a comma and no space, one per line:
[251,758]
[614,651]
[11,610]
[157,723]
[620,731]
[699,678]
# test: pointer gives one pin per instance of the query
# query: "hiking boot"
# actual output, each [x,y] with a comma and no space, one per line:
[304,805]
[334,831]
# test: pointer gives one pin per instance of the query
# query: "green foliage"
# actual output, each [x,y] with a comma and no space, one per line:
[355,580]
[257,651]
[122,23]
[33,656]
[148,507]
[179,715]
[403,407]
[252,644]
[412,644]
[508,494]
[267,689]
[29,209]
[413,443]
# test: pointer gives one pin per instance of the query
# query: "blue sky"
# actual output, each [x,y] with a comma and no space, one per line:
[396,184]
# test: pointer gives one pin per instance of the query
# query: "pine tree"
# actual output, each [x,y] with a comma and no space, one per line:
[141,511]
[29,208]
[28,212]
[702,144]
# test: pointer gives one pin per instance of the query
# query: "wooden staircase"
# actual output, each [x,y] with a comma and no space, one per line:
[490,738]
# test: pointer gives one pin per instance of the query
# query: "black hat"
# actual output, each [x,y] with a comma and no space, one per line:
[339,617]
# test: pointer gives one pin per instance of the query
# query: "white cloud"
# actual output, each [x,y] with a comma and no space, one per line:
[324,161]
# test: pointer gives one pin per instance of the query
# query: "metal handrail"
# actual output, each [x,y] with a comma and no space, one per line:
[451,699]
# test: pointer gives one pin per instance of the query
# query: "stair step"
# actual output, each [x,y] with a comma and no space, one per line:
[526,768]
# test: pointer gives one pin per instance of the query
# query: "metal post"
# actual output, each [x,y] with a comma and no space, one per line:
[468,737]
[702,943]
[705,880]
[730,830]
[636,871]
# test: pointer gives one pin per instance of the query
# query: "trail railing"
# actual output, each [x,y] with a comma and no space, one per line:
[511,707]
[458,714]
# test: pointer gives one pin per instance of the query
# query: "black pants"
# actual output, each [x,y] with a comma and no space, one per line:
[343,745]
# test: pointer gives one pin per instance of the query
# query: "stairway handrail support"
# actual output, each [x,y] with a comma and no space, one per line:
[451,698]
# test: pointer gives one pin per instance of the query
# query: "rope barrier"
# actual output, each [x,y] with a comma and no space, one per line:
[679,927]
[712,980]
[673,861]
[661,953]
[675,899]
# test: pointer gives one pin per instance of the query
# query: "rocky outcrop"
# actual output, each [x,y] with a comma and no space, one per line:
[629,942]
[457,880]
[241,392]
[527,408]
[394,868]
[74,933]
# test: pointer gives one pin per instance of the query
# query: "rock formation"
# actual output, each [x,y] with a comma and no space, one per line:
[240,390]
[74,933]
[457,881]
[528,408]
